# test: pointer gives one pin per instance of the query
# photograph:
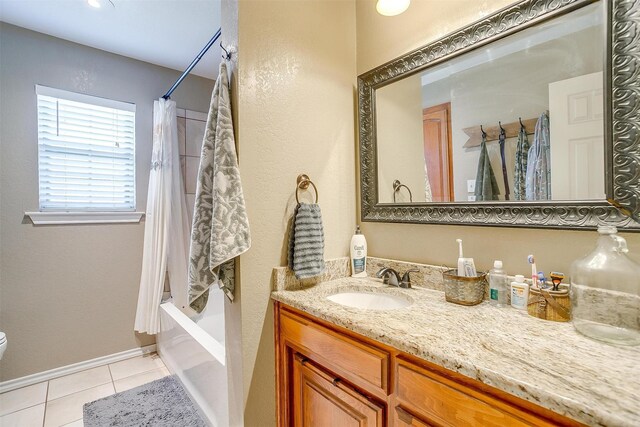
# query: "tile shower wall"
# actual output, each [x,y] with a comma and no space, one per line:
[191,126]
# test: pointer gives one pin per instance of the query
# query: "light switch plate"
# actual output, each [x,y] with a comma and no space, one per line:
[471,185]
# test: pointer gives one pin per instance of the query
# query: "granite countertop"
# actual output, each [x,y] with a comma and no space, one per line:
[547,363]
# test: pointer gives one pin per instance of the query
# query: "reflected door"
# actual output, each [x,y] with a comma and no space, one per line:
[576,138]
[436,122]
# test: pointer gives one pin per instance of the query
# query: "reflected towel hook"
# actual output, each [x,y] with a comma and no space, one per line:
[502,131]
[396,187]
[484,134]
[521,124]
[302,183]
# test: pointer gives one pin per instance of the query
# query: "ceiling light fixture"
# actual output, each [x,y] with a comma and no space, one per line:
[392,7]
[98,3]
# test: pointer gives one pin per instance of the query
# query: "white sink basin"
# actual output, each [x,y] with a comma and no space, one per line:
[370,300]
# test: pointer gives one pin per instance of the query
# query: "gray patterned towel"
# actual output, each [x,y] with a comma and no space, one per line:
[220,230]
[306,241]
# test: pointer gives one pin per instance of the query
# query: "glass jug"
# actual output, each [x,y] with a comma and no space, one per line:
[605,291]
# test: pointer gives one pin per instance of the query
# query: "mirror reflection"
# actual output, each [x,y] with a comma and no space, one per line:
[519,120]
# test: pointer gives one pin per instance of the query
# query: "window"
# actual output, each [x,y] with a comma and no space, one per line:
[86,153]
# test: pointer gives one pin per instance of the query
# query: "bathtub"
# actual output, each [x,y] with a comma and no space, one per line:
[193,348]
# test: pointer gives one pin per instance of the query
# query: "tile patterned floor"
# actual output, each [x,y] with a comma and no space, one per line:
[59,402]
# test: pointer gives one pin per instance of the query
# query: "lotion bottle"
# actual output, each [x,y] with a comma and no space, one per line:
[519,293]
[358,251]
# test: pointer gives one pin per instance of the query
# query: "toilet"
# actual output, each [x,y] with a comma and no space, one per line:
[3,344]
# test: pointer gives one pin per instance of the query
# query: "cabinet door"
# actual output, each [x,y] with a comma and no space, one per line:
[319,399]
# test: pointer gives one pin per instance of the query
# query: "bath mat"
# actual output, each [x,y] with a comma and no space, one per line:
[159,403]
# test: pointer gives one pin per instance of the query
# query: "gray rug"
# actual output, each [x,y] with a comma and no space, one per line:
[159,403]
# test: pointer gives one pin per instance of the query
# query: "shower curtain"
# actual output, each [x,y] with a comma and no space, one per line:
[166,228]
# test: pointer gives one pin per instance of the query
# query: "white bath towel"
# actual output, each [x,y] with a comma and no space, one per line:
[220,230]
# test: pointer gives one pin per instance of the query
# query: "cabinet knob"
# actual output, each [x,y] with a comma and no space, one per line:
[300,358]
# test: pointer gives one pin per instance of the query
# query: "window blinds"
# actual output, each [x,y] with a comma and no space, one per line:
[86,152]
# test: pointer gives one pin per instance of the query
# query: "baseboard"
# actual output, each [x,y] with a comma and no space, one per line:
[73,368]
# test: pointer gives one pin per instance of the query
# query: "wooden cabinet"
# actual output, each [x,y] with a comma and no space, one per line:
[321,399]
[362,364]
[330,376]
[439,401]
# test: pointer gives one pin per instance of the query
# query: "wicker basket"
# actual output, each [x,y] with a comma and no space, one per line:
[550,305]
[464,290]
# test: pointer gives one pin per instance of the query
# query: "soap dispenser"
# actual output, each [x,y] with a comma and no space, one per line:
[605,291]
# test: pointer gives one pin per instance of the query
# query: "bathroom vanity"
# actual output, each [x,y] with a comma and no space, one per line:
[455,113]
[436,363]
[329,376]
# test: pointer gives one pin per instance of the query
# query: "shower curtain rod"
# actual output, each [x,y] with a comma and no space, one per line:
[215,37]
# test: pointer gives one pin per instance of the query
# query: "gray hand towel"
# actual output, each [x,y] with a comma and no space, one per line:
[486,184]
[306,241]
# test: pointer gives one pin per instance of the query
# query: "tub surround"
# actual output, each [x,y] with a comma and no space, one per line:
[545,363]
[196,351]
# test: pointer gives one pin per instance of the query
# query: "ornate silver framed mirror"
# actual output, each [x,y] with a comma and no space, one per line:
[529,117]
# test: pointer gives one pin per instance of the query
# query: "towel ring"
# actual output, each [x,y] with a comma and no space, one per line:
[302,183]
[397,185]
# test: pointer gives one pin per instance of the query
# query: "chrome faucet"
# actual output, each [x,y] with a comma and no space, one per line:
[391,277]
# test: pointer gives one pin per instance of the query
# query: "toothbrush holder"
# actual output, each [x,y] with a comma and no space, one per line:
[464,290]
[550,305]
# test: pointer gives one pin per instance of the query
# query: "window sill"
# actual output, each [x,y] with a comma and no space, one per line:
[53,218]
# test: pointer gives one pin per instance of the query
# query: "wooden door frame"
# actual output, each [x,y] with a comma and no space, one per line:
[446,106]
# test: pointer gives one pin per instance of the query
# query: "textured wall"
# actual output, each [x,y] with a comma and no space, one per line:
[69,293]
[381,39]
[296,76]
